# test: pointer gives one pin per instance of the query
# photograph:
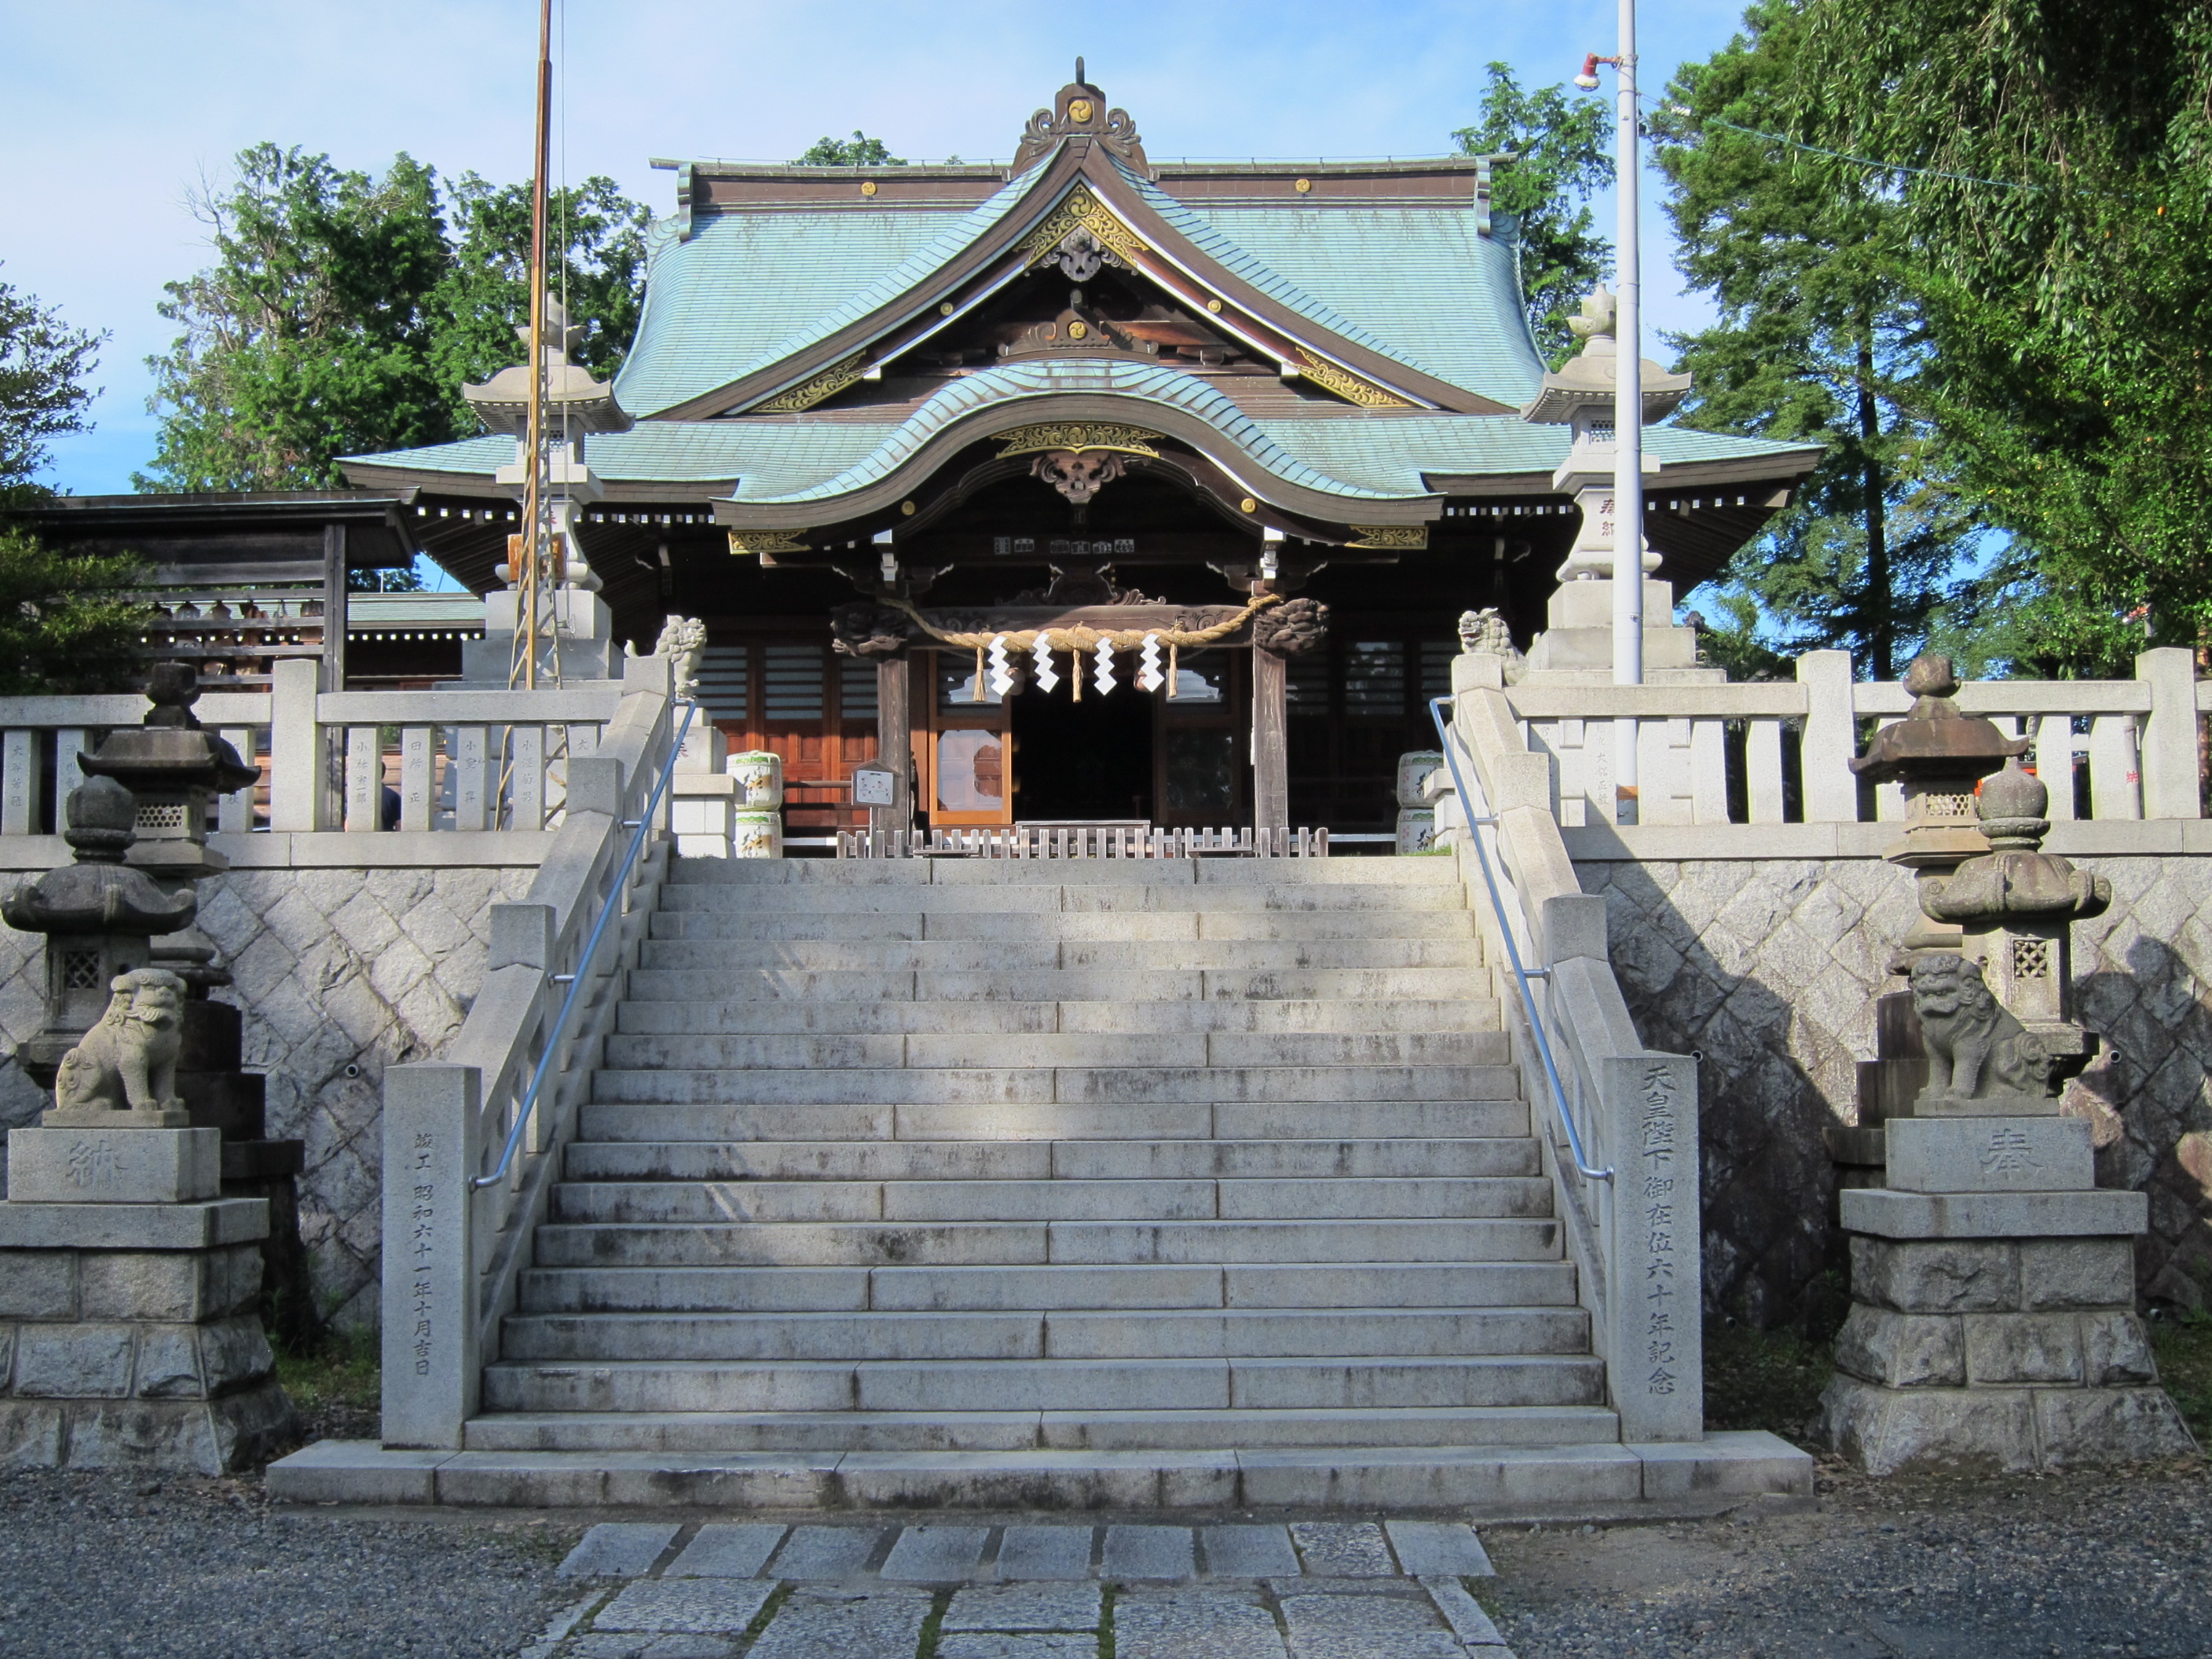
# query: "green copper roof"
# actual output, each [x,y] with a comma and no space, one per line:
[1444,297]
[1390,455]
[1010,385]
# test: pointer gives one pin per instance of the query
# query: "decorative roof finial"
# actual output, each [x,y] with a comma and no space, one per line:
[1080,112]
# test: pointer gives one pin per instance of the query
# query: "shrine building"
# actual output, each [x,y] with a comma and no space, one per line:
[1287,420]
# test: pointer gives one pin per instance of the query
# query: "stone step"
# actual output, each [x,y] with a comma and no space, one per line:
[1020,926]
[764,1017]
[947,1050]
[1297,1120]
[805,1245]
[1072,1086]
[958,1288]
[947,956]
[1338,1198]
[1348,1332]
[1038,1160]
[817,898]
[1163,982]
[1575,1476]
[906,1432]
[1052,872]
[1058,1385]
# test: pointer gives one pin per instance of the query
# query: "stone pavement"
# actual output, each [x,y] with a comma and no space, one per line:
[1396,1589]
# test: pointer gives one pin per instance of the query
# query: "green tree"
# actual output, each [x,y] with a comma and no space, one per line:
[2061,214]
[1562,147]
[1821,338]
[310,337]
[858,151]
[344,312]
[43,365]
[68,622]
[599,237]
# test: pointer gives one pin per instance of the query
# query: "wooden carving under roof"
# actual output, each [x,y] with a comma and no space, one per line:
[1080,112]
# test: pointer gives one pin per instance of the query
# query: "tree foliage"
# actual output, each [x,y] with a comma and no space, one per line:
[1821,338]
[43,365]
[343,311]
[858,151]
[1563,151]
[2032,182]
[68,621]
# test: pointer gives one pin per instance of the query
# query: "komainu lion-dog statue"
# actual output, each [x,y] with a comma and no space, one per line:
[128,1062]
[1976,1049]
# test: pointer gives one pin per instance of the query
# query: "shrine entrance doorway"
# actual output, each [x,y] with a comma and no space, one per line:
[1088,761]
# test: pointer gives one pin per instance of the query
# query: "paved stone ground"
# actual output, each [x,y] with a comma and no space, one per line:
[2087,1564]
[964,1588]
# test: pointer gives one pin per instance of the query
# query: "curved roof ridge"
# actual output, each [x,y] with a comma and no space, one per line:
[1007,383]
[1225,251]
[932,254]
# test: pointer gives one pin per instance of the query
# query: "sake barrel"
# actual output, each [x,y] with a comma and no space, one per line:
[1413,771]
[760,777]
[756,834]
[1417,830]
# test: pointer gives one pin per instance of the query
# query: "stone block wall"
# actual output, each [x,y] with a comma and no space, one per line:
[1768,968]
[340,972]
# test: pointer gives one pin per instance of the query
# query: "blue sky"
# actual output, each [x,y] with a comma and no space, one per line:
[114,111]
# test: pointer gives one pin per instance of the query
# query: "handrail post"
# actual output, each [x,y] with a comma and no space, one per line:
[298,781]
[432,1364]
[1830,788]
[2169,754]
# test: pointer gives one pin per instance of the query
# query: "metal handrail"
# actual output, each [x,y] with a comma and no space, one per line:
[644,822]
[1521,976]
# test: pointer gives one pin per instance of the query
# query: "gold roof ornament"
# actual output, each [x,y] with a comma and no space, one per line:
[1404,537]
[1352,388]
[1081,210]
[807,393]
[753,544]
[1078,436]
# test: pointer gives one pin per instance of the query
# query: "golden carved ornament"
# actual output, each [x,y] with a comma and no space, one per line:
[807,393]
[1078,109]
[1081,210]
[1396,537]
[749,543]
[1303,187]
[868,187]
[1347,386]
[1078,436]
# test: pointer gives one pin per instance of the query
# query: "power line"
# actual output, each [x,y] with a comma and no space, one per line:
[1855,161]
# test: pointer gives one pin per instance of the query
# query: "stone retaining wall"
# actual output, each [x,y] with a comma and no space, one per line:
[1768,969]
[340,972]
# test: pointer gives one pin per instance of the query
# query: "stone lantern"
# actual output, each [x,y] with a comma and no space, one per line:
[2016,906]
[98,915]
[1937,755]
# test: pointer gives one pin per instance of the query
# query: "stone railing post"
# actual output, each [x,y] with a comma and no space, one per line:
[1831,789]
[432,1364]
[1655,1346]
[299,785]
[2170,787]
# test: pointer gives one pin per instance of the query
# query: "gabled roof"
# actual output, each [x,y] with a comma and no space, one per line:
[689,362]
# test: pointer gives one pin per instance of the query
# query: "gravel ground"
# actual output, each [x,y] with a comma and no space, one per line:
[99,1566]
[2079,1563]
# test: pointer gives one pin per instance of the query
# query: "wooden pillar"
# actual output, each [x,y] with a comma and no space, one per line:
[1271,770]
[895,741]
[334,607]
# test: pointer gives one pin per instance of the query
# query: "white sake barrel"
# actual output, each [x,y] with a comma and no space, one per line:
[1413,771]
[756,835]
[760,777]
[1417,830]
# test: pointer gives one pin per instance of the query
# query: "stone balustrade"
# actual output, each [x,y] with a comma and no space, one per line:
[1776,753]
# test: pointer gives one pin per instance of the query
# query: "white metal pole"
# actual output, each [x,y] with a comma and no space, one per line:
[1627,413]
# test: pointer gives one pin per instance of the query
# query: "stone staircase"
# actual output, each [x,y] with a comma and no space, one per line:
[1101,1156]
